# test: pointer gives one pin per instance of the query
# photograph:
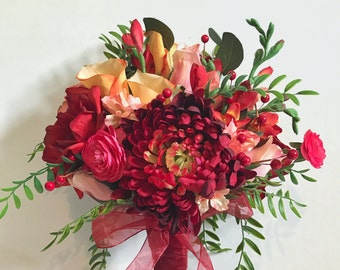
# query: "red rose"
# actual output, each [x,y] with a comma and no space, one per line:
[312,149]
[104,156]
[79,118]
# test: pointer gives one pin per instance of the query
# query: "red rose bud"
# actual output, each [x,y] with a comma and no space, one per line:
[267,70]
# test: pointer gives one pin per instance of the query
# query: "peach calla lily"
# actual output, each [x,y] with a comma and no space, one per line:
[108,75]
[147,86]
[159,53]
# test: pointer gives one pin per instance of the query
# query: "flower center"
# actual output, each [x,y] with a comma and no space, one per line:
[178,159]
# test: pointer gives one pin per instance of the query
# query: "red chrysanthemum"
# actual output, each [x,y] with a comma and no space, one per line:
[177,151]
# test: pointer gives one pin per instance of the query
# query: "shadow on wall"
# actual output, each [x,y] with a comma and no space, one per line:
[29,227]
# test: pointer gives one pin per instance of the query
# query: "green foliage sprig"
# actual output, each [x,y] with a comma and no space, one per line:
[209,238]
[248,226]
[98,256]
[24,184]
[75,225]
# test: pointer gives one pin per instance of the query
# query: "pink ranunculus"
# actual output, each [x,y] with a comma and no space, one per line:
[104,156]
[312,149]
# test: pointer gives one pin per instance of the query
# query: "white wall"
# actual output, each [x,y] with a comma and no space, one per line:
[44,43]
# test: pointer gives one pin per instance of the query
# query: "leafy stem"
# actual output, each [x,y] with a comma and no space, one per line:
[262,55]
[75,225]
[98,256]
[248,226]
[24,184]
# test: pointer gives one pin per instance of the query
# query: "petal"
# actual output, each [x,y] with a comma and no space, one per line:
[109,76]
[89,185]
[147,86]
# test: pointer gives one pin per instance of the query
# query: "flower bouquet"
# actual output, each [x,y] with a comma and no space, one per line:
[169,140]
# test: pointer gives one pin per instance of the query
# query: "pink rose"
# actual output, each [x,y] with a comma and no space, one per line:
[183,59]
[104,156]
[312,149]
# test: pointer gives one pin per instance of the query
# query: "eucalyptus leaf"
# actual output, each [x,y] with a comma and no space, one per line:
[152,24]
[214,36]
[230,52]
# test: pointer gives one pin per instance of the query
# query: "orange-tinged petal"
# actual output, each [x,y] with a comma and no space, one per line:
[147,86]
[234,110]
[157,50]
[109,76]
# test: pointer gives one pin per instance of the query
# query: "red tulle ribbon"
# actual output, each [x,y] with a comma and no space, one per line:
[160,249]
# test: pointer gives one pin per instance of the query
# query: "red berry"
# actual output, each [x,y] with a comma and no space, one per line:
[233,74]
[265,98]
[49,186]
[204,38]
[161,97]
[262,119]
[245,161]
[60,179]
[292,154]
[275,164]
[167,93]
[286,162]
[241,138]
[240,155]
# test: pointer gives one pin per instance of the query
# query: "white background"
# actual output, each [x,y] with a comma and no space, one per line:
[43,44]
